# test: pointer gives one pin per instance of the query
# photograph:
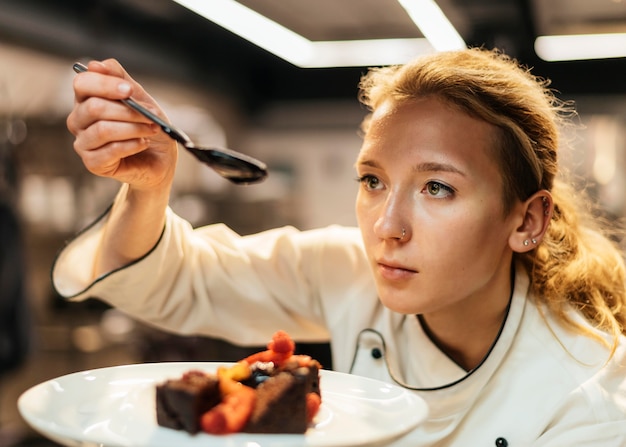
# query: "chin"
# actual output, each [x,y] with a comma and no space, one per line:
[401,305]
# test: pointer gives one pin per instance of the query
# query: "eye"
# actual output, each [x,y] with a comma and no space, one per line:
[370,182]
[437,189]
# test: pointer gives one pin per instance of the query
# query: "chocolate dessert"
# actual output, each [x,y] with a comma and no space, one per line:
[272,391]
[179,402]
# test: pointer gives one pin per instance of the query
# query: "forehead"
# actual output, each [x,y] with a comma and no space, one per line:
[429,130]
[428,119]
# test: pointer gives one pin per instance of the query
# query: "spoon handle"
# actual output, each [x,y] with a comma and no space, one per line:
[172,131]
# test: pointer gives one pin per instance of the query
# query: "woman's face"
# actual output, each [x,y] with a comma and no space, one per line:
[427,168]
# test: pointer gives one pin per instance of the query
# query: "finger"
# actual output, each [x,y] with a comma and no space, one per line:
[111,67]
[96,84]
[102,133]
[96,109]
[104,78]
[109,80]
[106,160]
[108,66]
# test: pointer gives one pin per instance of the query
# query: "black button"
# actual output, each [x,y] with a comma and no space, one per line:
[501,442]
[377,353]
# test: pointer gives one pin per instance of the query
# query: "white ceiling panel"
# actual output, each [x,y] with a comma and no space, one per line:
[326,20]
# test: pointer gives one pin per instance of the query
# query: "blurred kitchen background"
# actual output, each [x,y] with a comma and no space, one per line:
[299,115]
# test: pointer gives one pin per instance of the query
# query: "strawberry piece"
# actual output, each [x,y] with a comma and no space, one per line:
[313,404]
[231,415]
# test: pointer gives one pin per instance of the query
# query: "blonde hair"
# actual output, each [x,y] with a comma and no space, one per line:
[576,264]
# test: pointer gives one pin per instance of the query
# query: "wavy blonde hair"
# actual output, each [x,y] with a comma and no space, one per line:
[577,263]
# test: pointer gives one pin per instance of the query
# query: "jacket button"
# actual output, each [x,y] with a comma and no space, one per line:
[377,353]
[501,442]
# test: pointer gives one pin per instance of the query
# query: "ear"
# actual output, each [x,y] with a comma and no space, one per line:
[537,212]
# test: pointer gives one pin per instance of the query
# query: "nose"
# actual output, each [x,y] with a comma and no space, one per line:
[393,222]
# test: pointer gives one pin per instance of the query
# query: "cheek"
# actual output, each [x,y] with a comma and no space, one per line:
[460,236]
[366,219]
[362,211]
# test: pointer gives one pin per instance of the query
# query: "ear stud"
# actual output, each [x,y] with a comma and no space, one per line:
[546,207]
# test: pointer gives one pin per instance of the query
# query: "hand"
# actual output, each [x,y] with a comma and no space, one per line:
[113,140]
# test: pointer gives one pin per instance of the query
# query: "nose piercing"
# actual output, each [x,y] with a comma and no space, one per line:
[403,233]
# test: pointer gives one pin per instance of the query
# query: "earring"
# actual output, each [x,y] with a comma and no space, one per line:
[533,240]
[526,242]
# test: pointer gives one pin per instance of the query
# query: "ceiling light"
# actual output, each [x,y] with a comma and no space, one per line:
[433,23]
[296,49]
[363,53]
[253,27]
[581,46]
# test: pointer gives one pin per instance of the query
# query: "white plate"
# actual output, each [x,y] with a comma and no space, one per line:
[115,407]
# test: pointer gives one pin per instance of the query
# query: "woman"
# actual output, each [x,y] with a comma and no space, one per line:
[474,279]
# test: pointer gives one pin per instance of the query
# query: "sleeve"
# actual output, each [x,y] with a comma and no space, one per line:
[211,281]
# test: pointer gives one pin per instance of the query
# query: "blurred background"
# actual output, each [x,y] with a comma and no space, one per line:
[299,116]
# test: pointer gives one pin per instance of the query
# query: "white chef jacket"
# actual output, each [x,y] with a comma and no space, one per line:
[541,385]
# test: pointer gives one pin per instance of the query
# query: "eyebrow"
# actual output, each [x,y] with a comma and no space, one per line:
[430,166]
[437,167]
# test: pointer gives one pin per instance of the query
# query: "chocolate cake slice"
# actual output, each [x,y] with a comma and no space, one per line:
[281,405]
[310,373]
[181,402]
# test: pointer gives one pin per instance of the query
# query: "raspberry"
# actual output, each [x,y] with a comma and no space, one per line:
[282,343]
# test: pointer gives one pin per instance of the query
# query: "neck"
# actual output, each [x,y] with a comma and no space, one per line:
[467,336]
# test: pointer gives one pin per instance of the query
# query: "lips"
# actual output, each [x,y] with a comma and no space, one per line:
[394,271]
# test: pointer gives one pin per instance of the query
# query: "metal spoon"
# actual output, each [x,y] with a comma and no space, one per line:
[234,166]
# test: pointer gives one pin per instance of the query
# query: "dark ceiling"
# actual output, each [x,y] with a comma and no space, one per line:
[160,35]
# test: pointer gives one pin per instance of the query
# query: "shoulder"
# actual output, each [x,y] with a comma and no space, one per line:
[579,364]
[567,379]
[587,347]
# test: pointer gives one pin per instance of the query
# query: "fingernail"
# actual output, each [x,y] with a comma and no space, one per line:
[124,88]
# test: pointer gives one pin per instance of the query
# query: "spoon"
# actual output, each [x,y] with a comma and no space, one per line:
[238,168]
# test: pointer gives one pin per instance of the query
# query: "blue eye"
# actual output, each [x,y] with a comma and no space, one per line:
[370,182]
[437,189]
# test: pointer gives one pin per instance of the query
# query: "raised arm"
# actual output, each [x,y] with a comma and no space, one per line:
[116,142]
